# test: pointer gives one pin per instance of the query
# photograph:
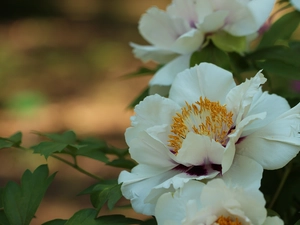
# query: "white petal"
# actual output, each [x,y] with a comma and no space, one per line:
[154,110]
[264,102]
[160,29]
[156,54]
[188,42]
[244,172]
[234,137]
[237,201]
[166,75]
[274,220]
[203,8]
[184,9]
[176,202]
[274,145]
[201,80]
[198,150]
[247,19]
[296,4]
[138,184]
[214,21]
[146,150]
[240,98]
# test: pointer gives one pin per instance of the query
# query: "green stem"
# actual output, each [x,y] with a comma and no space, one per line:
[78,168]
[280,186]
[74,165]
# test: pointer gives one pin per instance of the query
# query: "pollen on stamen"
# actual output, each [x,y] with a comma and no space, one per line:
[227,221]
[203,117]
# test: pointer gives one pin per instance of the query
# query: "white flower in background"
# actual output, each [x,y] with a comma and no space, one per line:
[179,31]
[296,4]
[207,127]
[217,202]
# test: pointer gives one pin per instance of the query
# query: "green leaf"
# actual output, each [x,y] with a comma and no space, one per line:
[282,29]
[92,189]
[117,220]
[99,145]
[210,54]
[151,221]
[228,42]
[91,152]
[122,163]
[56,222]
[102,193]
[271,212]
[238,63]
[297,223]
[13,141]
[3,218]
[88,216]
[5,144]
[16,139]
[68,137]
[84,216]
[142,72]
[21,202]
[1,197]
[280,68]
[48,148]
[281,53]
[141,97]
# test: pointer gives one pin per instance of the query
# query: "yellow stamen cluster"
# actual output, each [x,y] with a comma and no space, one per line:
[202,117]
[227,221]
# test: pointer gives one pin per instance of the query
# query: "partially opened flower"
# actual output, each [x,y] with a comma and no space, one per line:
[296,4]
[216,202]
[207,127]
[184,27]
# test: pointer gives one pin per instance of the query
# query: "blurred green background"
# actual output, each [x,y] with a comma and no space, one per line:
[61,68]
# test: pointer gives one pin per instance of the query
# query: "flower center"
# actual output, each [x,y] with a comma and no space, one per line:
[227,221]
[204,118]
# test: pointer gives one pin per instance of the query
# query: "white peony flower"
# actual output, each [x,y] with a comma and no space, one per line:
[217,202]
[179,31]
[296,4]
[207,127]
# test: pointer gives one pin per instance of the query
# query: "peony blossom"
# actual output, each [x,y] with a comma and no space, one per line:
[296,4]
[208,127]
[186,26]
[216,202]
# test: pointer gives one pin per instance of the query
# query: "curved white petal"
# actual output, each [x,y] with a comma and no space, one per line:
[230,150]
[165,76]
[188,42]
[296,4]
[203,9]
[214,21]
[245,172]
[274,145]
[160,29]
[184,9]
[146,150]
[201,80]
[156,54]
[264,102]
[239,99]
[154,110]
[199,150]
[236,201]
[247,19]
[274,220]
[138,184]
[169,203]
